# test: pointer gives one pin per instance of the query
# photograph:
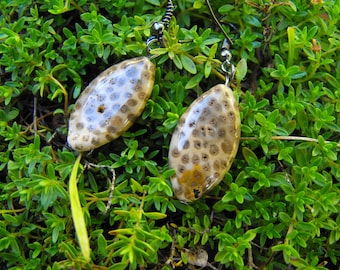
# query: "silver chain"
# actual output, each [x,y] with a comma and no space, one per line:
[227,67]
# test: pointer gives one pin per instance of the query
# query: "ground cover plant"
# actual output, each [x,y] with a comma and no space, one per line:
[278,206]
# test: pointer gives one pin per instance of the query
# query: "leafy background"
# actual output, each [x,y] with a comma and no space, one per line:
[278,206]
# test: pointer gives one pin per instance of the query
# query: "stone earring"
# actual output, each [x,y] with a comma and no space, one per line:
[206,139]
[111,103]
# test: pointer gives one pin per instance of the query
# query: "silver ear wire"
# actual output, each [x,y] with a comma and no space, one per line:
[217,22]
[227,67]
[159,27]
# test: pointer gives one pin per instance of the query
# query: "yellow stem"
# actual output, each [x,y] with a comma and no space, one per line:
[62,88]
[77,212]
[12,211]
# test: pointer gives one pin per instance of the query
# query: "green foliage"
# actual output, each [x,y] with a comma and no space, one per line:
[278,206]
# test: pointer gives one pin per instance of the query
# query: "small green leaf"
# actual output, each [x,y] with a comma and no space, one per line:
[168,173]
[135,186]
[155,215]
[188,64]
[194,81]
[154,2]
[241,70]
[102,244]
[284,217]
[177,61]
[151,166]
[249,155]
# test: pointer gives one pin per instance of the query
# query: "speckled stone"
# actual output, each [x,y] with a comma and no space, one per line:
[204,143]
[110,104]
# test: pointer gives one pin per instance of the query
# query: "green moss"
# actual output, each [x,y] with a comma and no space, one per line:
[278,206]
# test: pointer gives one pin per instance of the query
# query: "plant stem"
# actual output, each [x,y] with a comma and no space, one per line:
[289,138]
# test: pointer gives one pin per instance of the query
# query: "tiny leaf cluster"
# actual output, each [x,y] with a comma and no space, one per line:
[278,206]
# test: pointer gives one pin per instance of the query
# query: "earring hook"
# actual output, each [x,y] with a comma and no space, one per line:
[217,22]
[159,27]
[227,67]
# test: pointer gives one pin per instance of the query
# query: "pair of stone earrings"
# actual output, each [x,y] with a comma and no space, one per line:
[205,141]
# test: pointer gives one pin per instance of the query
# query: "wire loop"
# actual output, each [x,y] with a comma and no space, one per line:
[227,67]
[159,27]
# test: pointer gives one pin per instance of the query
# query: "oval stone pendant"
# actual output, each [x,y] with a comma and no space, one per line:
[204,143]
[110,104]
